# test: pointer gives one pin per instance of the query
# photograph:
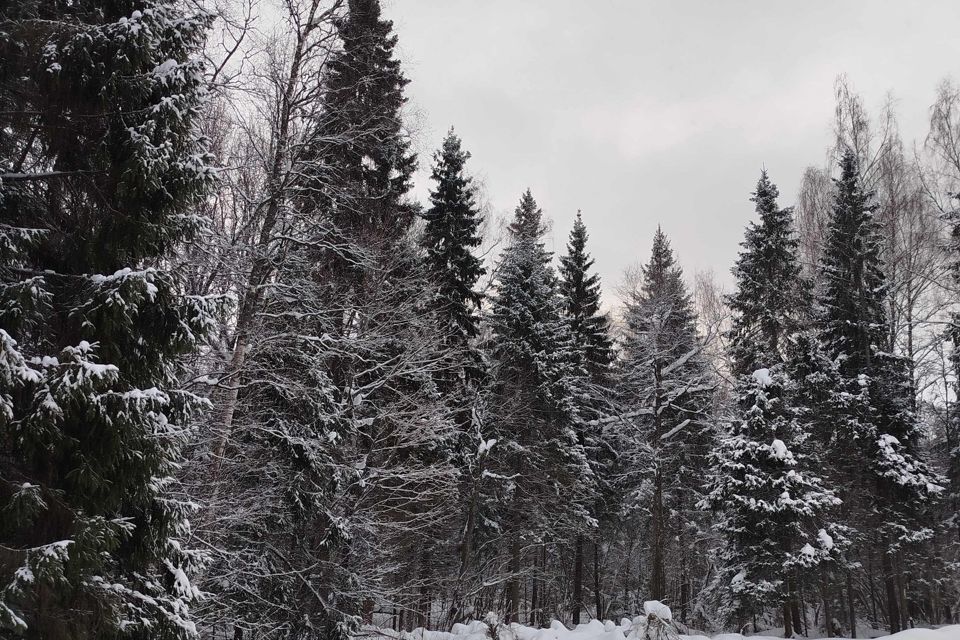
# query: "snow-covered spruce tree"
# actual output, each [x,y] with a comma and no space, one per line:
[666,390]
[341,442]
[773,507]
[590,334]
[352,484]
[100,165]
[771,297]
[450,236]
[545,487]
[873,453]
[365,143]
[769,304]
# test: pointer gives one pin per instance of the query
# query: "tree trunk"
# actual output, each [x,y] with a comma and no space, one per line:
[827,614]
[795,606]
[261,269]
[577,580]
[851,606]
[657,573]
[542,608]
[787,618]
[534,594]
[890,585]
[513,589]
[597,582]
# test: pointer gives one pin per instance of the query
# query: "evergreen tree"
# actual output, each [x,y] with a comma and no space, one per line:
[449,237]
[874,433]
[771,296]
[533,398]
[101,163]
[590,334]
[667,392]
[352,483]
[590,329]
[366,148]
[773,506]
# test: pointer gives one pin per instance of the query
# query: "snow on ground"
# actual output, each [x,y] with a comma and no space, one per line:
[608,630]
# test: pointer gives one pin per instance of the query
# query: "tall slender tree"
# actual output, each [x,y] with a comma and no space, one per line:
[450,237]
[875,432]
[590,329]
[366,148]
[590,333]
[667,390]
[101,164]
[533,397]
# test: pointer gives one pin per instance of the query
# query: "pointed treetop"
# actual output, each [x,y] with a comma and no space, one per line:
[766,194]
[528,219]
[772,297]
[661,274]
[580,289]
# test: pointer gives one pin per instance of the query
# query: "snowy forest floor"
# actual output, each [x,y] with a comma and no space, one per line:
[608,630]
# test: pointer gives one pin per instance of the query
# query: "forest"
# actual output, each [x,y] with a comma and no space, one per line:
[252,388]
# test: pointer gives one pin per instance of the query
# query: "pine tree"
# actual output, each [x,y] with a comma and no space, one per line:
[774,508]
[533,393]
[590,329]
[352,483]
[874,432]
[101,164]
[667,391]
[590,334]
[771,297]
[366,148]
[449,237]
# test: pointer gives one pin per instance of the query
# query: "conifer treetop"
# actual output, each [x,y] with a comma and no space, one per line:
[772,298]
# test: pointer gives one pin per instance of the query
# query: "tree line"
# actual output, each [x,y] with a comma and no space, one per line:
[251,388]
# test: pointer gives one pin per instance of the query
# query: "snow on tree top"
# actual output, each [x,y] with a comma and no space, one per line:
[779,448]
[763,377]
[826,540]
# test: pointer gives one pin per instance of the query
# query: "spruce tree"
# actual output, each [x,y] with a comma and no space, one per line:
[590,334]
[101,166]
[365,145]
[774,508]
[589,328]
[450,235]
[771,297]
[874,434]
[533,398]
[666,390]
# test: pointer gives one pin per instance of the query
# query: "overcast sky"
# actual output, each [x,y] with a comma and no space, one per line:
[643,113]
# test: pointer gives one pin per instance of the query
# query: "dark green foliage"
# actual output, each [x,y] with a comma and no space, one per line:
[450,236]
[100,162]
[365,146]
[774,508]
[872,432]
[665,389]
[534,380]
[589,328]
[771,298]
